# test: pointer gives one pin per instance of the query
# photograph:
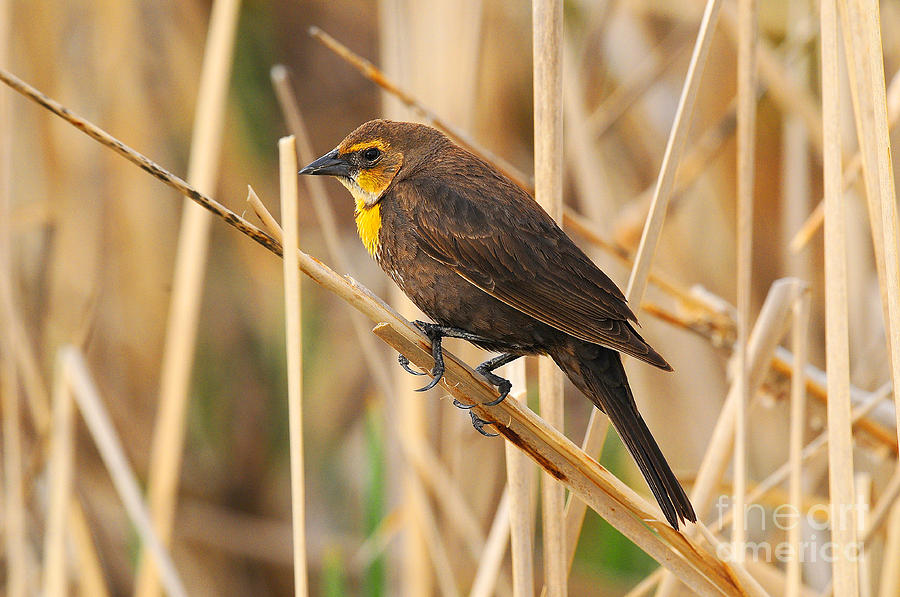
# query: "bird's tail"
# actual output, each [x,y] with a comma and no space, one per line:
[599,374]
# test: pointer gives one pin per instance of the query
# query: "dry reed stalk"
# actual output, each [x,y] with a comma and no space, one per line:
[430,470]
[576,509]
[766,334]
[368,70]
[791,97]
[315,187]
[705,313]
[809,450]
[96,418]
[647,584]
[795,164]
[19,345]
[773,579]
[645,75]
[584,161]
[748,583]
[287,156]
[840,446]
[606,494]
[637,281]
[13,500]
[870,23]
[886,500]
[861,93]
[491,558]
[889,584]
[273,228]
[20,364]
[519,483]
[426,463]
[187,285]
[376,543]
[547,32]
[91,576]
[396,45]
[13,496]
[437,551]
[812,223]
[696,161]
[816,381]
[876,518]
[55,567]
[862,483]
[800,344]
[447,494]
[746,159]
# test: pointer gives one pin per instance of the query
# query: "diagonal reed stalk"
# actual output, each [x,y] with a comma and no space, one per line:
[84,391]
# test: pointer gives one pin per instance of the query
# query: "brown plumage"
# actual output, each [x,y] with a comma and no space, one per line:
[481,258]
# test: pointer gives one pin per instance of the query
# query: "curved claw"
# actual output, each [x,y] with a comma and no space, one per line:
[434,381]
[404,362]
[459,404]
[504,392]
[479,423]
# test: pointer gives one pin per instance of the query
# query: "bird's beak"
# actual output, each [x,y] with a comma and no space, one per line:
[329,164]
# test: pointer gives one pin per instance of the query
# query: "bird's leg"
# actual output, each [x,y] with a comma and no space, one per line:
[436,333]
[502,384]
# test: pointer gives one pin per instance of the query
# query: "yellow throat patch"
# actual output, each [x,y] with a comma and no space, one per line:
[368,225]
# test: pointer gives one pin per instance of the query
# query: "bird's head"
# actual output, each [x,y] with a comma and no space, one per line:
[373,156]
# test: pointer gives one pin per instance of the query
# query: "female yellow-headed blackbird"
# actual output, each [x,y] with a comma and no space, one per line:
[481,258]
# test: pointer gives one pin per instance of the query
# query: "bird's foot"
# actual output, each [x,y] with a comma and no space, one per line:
[404,362]
[478,423]
[436,333]
[504,385]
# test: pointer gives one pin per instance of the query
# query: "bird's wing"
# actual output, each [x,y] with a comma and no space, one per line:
[510,248]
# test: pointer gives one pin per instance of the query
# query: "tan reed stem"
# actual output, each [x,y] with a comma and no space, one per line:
[187,285]
[746,159]
[547,17]
[840,445]
[800,344]
[287,156]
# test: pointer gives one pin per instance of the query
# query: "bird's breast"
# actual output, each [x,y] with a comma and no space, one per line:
[368,225]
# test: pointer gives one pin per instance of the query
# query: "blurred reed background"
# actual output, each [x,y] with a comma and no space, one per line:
[399,487]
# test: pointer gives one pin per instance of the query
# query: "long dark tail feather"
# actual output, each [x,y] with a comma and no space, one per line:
[599,374]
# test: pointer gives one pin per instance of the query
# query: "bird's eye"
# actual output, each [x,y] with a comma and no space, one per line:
[371,154]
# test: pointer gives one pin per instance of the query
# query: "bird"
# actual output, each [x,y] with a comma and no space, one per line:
[480,257]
